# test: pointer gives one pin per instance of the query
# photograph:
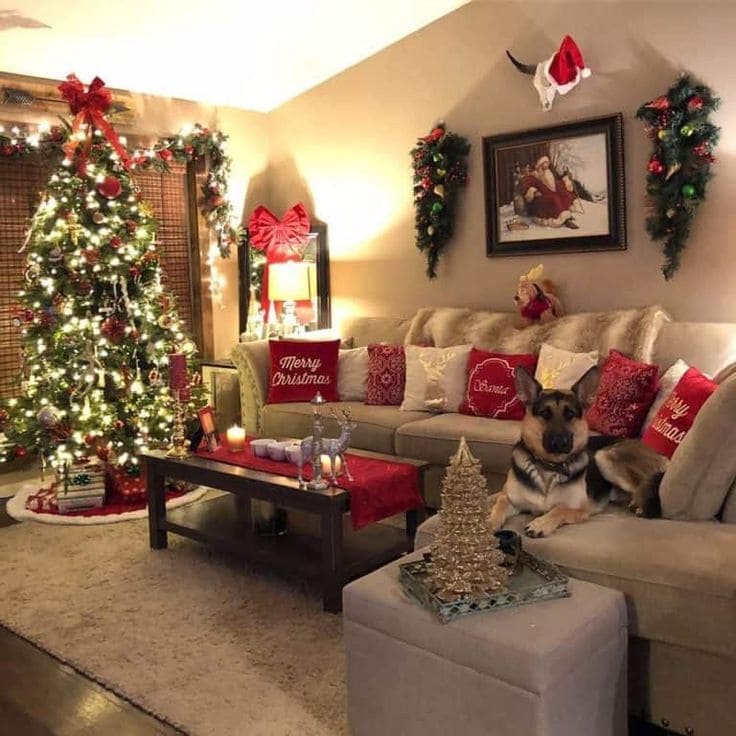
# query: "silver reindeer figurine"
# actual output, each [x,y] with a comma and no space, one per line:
[332,447]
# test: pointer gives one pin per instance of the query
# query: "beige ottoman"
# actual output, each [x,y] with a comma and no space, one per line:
[553,668]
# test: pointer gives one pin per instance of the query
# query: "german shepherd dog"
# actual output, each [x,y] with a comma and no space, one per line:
[554,472]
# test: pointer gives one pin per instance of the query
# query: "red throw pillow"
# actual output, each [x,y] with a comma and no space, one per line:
[300,369]
[626,390]
[386,375]
[490,388]
[674,419]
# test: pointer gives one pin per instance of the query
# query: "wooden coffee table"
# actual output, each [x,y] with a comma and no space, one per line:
[320,542]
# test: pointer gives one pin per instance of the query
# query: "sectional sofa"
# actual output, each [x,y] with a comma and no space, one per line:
[679,576]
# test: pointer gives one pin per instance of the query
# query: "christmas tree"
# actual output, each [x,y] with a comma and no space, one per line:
[97,326]
[465,559]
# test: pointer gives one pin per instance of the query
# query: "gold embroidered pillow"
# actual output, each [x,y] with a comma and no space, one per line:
[435,378]
[558,368]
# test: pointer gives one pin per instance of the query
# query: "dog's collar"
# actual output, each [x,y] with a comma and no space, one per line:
[562,468]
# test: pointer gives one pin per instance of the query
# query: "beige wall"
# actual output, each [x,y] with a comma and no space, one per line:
[249,148]
[343,149]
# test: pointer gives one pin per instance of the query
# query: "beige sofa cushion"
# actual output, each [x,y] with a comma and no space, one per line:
[435,439]
[367,330]
[703,468]
[375,430]
[728,515]
[679,577]
[710,347]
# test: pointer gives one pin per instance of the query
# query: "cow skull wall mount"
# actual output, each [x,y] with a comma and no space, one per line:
[556,75]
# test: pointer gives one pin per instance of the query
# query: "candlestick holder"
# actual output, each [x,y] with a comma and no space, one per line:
[318,483]
[178,444]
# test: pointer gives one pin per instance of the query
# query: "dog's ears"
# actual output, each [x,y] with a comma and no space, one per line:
[586,386]
[527,387]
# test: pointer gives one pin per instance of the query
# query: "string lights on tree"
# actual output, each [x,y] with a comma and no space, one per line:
[97,326]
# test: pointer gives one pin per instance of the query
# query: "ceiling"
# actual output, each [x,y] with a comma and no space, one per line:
[251,54]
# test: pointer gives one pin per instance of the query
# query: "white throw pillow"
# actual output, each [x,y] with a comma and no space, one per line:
[670,378]
[352,374]
[435,378]
[558,368]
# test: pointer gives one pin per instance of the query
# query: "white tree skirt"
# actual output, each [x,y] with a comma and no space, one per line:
[16,508]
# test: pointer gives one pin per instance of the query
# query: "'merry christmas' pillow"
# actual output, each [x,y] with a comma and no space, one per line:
[386,375]
[490,390]
[626,390]
[677,414]
[300,369]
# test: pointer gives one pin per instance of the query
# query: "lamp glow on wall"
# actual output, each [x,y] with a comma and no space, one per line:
[289,283]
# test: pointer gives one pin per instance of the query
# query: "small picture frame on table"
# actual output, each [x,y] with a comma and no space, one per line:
[209,428]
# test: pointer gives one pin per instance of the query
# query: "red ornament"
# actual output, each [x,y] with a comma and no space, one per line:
[131,225]
[20,451]
[115,242]
[189,150]
[165,154]
[655,166]
[110,187]
[56,134]
[150,257]
[140,160]
[3,417]
[134,271]
[427,183]
[90,439]
[660,103]
[695,103]
[434,135]
[91,255]
[7,150]
[119,424]
[113,329]
[102,452]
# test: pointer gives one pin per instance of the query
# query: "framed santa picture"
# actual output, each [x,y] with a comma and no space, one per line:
[558,189]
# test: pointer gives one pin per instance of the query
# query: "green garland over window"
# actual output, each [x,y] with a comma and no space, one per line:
[680,166]
[440,170]
[192,143]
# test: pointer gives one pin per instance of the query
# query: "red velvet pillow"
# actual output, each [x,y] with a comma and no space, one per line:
[386,375]
[626,390]
[299,369]
[490,388]
[674,419]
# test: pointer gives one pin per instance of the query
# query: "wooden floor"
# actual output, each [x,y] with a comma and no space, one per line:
[39,696]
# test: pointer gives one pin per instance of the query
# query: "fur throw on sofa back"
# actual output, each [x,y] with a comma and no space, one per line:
[632,331]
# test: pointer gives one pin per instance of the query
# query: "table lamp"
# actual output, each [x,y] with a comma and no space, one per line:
[288,283]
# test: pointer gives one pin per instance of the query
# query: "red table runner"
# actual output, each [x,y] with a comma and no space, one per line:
[381,488]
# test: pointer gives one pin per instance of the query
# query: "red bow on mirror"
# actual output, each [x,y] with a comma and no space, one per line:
[280,240]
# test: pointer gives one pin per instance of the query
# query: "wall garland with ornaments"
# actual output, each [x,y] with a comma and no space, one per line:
[679,169]
[192,143]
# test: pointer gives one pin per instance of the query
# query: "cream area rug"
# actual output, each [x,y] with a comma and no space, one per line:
[198,639]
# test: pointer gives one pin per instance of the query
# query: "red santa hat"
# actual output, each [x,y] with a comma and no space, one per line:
[565,69]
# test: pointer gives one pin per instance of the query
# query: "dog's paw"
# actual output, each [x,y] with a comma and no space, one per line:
[539,527]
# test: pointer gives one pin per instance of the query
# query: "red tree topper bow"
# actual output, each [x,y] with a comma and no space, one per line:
[280,240]
[89,107]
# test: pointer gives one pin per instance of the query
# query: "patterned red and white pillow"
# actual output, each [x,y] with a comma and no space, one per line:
[300,369]
[677,414]
[490,389]
[626,390]
[386,375]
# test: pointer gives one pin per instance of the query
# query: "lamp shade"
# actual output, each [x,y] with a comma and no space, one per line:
[288,282]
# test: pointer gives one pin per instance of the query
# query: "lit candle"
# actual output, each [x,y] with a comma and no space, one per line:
[327,468]
[236,438]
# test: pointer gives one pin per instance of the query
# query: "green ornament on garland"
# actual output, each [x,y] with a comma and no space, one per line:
[437,207]
[683,149]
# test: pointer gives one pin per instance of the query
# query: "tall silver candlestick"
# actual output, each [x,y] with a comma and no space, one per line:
[317,483]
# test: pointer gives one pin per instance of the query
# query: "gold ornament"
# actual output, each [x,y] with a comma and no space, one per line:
[145,209]
[98,218]
[465,559]
[73,227]
[672,170]
[439,190]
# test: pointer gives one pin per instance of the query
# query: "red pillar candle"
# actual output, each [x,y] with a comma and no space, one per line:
[178,371]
